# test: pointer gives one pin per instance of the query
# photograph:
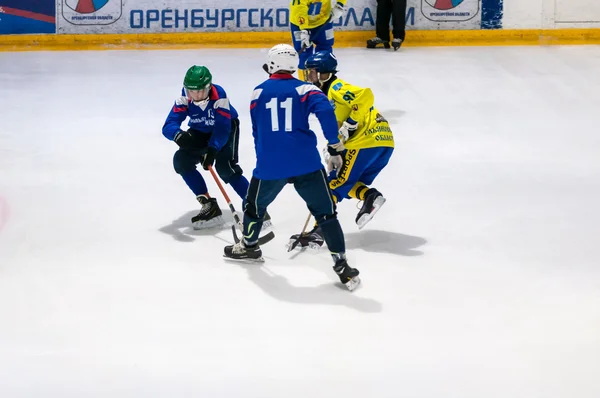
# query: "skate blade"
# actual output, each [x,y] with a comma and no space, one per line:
[365,218]
[213,222]
[353,283]
[245,260]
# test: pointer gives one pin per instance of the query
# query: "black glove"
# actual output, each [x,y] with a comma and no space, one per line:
[184,139]
[209,157]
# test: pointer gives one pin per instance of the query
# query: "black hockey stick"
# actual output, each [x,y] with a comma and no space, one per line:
[295,243]
[263,239]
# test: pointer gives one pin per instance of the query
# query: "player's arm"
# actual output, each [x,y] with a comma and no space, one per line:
[318,103]
[253,102]
[338,10]
[222,129]
[177,115]
[359,101]
[324,112]
[299,13]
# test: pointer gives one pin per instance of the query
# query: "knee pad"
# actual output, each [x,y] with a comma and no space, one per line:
[227,170]
[182,162]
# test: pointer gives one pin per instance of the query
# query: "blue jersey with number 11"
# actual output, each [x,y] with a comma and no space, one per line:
[285,145]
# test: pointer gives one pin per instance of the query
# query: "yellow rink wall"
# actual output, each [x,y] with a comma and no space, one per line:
[414,38]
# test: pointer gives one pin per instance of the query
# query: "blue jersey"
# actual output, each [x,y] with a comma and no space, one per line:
[212,117]
[285,145]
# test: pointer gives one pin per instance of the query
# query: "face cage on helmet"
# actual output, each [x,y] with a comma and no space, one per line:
[315,72]
[198,95]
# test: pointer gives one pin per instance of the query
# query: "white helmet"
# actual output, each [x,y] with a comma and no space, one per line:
[282,57]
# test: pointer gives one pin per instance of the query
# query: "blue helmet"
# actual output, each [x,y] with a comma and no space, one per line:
[322,61]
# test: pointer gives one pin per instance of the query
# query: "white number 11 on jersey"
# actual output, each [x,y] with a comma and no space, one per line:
[287,105]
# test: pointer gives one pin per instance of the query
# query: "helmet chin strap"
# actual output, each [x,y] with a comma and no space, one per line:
[201,102]
[322,82]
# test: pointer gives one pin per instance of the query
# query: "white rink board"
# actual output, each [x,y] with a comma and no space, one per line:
[155,16]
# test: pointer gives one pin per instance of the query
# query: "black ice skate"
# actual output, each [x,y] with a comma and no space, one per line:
[374,42]
[372,203]
[397,43]
[210,215]
[348,276]
[313,239]
[240,251]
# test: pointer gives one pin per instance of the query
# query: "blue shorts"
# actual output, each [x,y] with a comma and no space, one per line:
[360,166]
[321,36]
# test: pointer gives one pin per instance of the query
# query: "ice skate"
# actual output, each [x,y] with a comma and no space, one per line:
[397,43]
[372,203]
[210,215]
[313,240]
[374,42]
[267,221]
[240,251]
[348,276]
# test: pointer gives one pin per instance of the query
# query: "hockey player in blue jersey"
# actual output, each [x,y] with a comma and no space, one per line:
[212,138]
[286,153]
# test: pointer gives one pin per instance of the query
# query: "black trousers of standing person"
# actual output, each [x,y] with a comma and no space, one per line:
[396,9]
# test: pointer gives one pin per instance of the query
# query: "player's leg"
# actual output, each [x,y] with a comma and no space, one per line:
[226,162]
[302,54]
[382,25]
[314,190]
[372,199]
[342,181]
[398,22]
[261,193]
[323,37]
[184,163]
[341,184]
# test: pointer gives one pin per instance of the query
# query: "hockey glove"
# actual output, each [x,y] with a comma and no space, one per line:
[184,139]
[305,39]
[336,157]
[209,157]
[338,11]
[347,129]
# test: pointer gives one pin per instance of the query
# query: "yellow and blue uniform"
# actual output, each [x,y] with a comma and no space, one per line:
[315,17]
[369,147]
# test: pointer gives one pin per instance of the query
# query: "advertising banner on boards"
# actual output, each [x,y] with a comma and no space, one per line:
[154,16]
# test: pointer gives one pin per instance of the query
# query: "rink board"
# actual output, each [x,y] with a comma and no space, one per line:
[179,24]
[266,39]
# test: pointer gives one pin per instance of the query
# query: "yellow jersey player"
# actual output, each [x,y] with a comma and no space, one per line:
[311,23]
[366,135]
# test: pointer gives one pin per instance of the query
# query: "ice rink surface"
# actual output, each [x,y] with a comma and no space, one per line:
[481,274]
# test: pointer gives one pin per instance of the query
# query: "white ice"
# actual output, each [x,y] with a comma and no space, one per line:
[481,274]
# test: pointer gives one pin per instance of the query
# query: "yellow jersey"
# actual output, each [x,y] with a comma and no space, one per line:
[310,14]
[358,104]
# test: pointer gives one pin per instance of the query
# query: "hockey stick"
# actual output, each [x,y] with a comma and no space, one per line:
[297,241]
[263,239]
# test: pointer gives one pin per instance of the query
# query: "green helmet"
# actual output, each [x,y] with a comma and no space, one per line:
[197,78]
